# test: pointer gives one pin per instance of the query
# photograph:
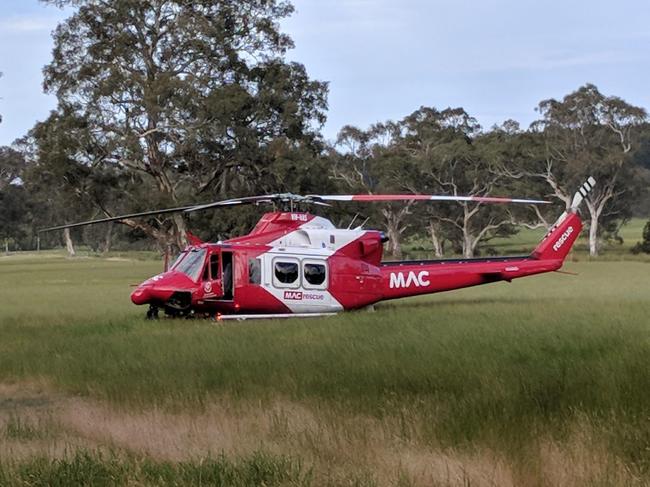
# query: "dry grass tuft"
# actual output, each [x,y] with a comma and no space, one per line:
[333,444]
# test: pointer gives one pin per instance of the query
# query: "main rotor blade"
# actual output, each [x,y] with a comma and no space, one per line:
[117,218]
[189,208]
[299,199]
[424,197]
[267,198]
[235,201]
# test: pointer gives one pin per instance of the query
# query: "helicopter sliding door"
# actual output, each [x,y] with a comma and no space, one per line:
[218,277]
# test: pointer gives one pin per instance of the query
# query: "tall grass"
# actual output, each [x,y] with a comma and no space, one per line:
[98,470]
[504,367]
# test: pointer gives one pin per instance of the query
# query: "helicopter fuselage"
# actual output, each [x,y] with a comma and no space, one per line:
[295,263]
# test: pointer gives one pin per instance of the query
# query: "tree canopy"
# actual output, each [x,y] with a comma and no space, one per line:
[168,102]
[195,99]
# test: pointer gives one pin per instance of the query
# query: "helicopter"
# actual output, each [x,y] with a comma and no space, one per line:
[296,264]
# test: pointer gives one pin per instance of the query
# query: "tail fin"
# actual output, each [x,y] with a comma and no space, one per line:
[560,238]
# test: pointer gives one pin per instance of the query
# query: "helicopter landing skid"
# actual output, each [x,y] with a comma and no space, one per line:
[276,316]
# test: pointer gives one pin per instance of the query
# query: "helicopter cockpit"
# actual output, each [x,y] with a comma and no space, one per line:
[210,266]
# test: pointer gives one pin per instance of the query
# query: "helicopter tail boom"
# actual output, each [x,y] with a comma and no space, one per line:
[411,278]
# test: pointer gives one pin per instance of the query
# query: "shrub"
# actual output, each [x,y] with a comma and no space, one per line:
[643,246]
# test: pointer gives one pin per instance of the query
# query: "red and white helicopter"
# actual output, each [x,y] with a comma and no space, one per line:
[298,264]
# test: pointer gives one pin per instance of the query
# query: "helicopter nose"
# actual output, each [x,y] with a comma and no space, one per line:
[141,295]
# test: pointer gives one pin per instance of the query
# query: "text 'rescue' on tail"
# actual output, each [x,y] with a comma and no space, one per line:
[557,243]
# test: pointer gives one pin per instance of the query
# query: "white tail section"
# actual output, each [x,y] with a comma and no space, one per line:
[578,197]
[582,193]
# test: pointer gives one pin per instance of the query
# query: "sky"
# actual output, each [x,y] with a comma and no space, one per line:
[384,59]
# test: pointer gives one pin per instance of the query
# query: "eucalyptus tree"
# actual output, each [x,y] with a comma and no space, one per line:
[445,147]
[58,173]
[590,134]
[367,162]
[15,200]
[12,165]
[428,151]
[511,151]
[191,97]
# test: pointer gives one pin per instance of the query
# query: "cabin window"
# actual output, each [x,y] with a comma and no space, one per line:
[315,274]
[214,266]
[286,273]
[254,271]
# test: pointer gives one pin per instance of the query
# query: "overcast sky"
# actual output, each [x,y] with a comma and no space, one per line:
[386,58]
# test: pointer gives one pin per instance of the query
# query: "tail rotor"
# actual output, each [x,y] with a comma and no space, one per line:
[560,238]
[582,192]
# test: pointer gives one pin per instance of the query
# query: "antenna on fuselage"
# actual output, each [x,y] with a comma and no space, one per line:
[353,219]
[364,222]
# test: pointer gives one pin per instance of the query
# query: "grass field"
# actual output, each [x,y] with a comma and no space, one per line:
[545,381]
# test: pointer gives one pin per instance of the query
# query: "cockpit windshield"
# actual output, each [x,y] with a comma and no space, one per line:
[191,264]
[178,259]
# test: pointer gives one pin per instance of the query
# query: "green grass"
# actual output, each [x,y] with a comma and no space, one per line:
[500,366]
[99,470]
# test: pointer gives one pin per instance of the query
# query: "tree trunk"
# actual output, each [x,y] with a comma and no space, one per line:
[593,236]
[165,186]
[438,249]
[108,239]
[394,244]
[394,228]
[181,229]
[594,243]
[68,242]
[468,241]
[468,246]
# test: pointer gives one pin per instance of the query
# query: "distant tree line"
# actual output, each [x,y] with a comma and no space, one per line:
[163,103]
